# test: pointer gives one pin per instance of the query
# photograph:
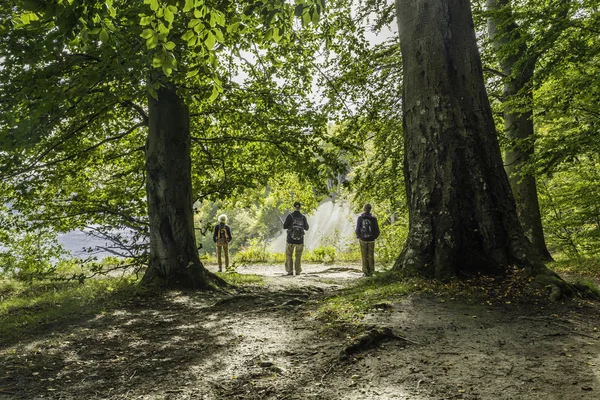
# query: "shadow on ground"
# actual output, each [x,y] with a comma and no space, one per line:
[265,343]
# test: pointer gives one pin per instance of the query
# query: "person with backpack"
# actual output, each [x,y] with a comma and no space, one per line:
[367,231]
[296,224]
[222,237]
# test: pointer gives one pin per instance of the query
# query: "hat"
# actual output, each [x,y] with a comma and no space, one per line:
[297,204]
[223,218]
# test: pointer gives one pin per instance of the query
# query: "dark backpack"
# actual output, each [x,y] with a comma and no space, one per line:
[366,229]
[297,230]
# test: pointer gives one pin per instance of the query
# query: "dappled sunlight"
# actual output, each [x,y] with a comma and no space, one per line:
[276,341]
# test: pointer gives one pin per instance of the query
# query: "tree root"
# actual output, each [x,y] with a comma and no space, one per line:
[560,289]
[370,339]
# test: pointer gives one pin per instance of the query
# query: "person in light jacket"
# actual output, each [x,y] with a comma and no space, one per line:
[222,237]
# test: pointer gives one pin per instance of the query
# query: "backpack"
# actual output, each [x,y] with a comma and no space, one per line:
[222,236]
[366,229]
[297,230]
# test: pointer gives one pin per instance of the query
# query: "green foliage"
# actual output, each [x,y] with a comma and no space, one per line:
[30,307]
[391,241]
[256,252]
[570,209]
[27,256]
[321,254]
[75,84]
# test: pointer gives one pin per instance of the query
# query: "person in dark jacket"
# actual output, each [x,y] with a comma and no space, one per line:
[222,237]
[296,224]
[367,231]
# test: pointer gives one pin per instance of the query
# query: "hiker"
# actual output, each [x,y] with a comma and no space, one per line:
[222,237]
[367,230]
[296,224]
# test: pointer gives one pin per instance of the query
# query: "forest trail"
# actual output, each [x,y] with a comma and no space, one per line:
[265,343]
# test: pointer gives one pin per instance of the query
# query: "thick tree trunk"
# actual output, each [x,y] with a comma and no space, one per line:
[518,126]
[462,215]
[173,253]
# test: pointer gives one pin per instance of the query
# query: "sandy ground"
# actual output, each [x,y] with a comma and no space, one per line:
[265,343]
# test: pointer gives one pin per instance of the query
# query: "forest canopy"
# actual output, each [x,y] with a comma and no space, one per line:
[87,88]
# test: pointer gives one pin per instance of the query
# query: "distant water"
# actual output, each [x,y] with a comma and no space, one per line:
[329,217]
[77,242]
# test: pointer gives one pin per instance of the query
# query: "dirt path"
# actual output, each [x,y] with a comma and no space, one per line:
[266,344]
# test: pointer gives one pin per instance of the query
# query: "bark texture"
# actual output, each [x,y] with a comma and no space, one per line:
[173,253]
[462,215]
[518,74]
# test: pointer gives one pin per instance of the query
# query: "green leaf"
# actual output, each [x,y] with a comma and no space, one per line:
[299,10]
[214,94]
[306,19]
[104,36]
[169,17]
[219,35]
[219,18]
[147,33]
[152,42]
[162,29]
[192,73]
[158,61]
[189,4]
[146,20]
[169,45]
[316,17]
[233,27]
[29,17]
[276,36]
[154,5]
[210,40]
[199,27]
[187,35]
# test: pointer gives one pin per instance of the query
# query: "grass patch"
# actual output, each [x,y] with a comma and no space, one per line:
[27,308]
[346,310]
[582,266]
[236,279]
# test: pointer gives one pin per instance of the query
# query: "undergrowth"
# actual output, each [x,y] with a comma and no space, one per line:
[24,307]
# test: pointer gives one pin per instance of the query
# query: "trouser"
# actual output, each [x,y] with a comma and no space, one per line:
[367,250]
[289,265]
[225,250]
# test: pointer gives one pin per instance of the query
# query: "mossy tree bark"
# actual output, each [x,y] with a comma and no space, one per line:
[174,258]
[462,216]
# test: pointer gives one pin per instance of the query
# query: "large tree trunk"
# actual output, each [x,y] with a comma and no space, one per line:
[462,216]
[173,253]
[518,73]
